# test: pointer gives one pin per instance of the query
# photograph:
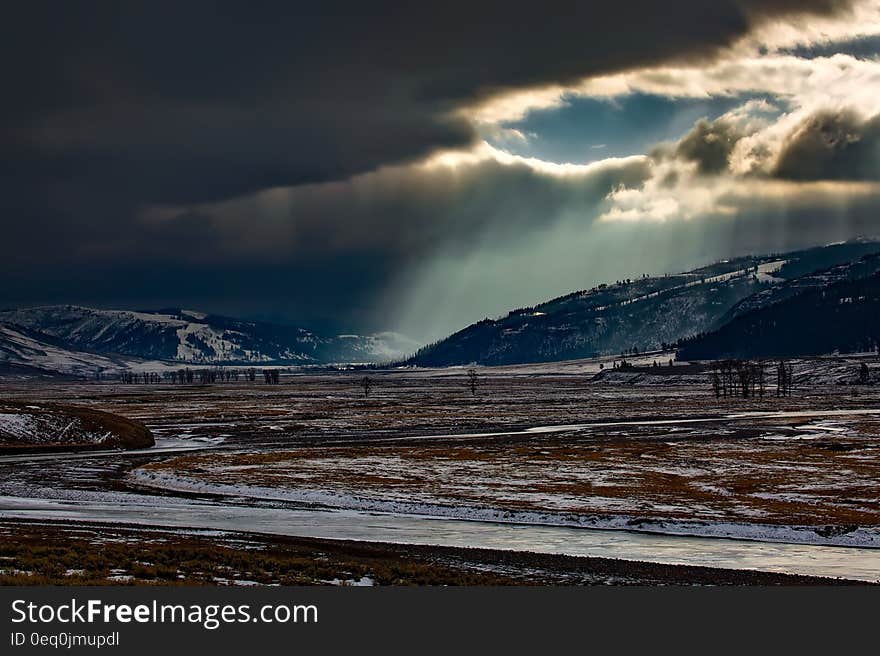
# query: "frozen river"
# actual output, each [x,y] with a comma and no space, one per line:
[846,562]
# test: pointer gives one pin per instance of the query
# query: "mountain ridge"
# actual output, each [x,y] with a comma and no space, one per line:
[79,337]
[647,313]
[630,315]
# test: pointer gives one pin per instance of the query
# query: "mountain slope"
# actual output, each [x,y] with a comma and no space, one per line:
[791,282]
[21,352]
[645,313]
[184,336]
[843,316]
[70,339]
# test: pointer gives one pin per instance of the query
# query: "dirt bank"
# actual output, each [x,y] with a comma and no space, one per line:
[39,426]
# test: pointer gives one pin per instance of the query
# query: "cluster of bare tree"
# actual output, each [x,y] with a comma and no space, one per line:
[747,378]
[226,375]
[738,378]
[133,378]
[201,376]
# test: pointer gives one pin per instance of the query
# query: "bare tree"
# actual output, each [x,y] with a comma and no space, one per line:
[784,378]
[367,384]
[473,381]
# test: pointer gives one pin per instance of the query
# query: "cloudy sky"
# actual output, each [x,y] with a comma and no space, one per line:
[418,166]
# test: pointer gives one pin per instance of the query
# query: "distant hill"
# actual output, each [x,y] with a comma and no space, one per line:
[74,339]
[649,312]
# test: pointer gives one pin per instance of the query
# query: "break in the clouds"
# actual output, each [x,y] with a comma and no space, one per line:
[409,167]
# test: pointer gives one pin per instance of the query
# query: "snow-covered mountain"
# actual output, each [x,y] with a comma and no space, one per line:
[180,335]
[73,339]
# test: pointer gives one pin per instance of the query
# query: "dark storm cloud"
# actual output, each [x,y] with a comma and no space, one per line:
[205,101]
[112,107]
[863,47]
[832,145]
[709,144]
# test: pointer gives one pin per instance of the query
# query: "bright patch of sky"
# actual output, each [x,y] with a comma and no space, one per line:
[587,129]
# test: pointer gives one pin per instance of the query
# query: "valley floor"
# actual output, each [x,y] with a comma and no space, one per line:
[554,452]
